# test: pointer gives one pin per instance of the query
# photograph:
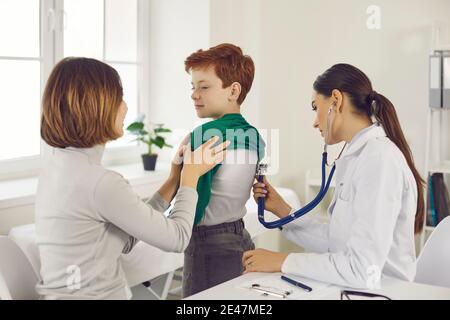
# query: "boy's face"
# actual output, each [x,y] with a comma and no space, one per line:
[210,99]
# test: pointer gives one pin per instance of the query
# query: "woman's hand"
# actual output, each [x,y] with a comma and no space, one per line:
[177,161]
[198,162]
[261,260]
[179,155]
[273,201]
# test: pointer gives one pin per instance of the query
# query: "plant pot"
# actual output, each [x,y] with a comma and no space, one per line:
[149,161]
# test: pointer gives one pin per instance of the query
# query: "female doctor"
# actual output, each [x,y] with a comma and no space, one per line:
[378,202]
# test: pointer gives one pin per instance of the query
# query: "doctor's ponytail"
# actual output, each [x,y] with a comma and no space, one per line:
[356,84]
[384,112]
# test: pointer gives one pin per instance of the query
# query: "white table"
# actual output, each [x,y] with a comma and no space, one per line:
[392,288]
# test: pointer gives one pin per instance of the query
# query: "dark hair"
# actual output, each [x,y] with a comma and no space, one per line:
[80,104]
[230,65]
[357,86]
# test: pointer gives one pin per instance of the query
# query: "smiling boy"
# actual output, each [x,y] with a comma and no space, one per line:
[221,79]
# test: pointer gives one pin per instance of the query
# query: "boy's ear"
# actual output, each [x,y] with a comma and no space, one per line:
[235,91]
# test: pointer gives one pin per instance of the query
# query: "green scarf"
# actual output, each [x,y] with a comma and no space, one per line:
[240,133]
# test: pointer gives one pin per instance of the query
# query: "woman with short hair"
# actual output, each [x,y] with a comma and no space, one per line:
[87,215]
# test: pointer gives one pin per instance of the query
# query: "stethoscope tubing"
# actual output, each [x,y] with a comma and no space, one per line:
[324,186]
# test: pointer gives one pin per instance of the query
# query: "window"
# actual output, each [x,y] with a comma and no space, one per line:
[106,30]
[35,35]
[20,72]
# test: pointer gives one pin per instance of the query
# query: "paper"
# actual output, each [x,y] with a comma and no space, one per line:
[273,283]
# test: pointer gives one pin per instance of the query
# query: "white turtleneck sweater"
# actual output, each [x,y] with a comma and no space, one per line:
[87,216]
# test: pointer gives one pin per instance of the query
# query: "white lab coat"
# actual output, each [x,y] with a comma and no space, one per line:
[371,227]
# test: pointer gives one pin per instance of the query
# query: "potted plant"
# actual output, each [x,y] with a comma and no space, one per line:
[150,136]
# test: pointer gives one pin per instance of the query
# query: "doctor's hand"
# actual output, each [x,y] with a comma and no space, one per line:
[273,202]
[261,260]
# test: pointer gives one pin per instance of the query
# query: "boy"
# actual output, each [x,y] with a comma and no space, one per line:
[221,78]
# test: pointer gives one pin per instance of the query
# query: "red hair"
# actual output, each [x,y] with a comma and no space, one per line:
[230,65]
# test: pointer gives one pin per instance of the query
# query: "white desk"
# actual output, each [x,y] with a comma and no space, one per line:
[392,288]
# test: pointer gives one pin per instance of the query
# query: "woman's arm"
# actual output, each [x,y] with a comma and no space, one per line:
[376,208]
[306,231]
[117,203]
[273,201]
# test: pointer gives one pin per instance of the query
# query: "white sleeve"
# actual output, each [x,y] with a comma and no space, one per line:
[376,207]
[308,232]
[158,203]
[117,203]
[231,186]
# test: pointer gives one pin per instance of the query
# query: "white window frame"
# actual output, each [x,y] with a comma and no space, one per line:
[51,51]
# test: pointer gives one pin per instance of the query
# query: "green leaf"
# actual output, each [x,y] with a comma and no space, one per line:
[162,130]
[159,142]
[142,132]
[137,129]
[135,126]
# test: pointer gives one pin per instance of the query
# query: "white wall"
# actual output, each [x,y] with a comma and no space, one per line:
[296,40]
[291,42]
[238,22]
[178,28]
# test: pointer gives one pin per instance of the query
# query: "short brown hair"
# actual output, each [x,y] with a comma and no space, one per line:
[80,104]
[230,65]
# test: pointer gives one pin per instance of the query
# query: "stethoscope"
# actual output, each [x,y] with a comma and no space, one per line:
[262,169]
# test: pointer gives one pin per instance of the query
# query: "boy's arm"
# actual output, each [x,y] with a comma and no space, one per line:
[170,188]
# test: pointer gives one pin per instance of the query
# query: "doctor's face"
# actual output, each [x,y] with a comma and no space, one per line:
[321,105]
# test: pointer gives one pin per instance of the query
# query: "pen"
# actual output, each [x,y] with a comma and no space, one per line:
[296,283]
[267,292]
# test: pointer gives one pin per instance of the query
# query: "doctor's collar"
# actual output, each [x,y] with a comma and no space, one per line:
[361,133]
[360,139]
